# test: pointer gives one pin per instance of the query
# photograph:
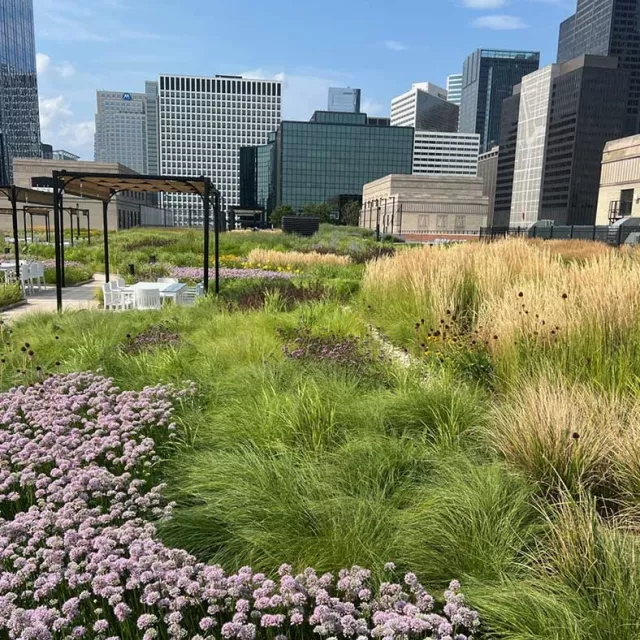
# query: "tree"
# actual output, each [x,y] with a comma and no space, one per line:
[278,213]
[322,211]
[351,213]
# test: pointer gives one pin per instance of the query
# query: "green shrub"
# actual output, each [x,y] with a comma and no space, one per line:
[10,294]
[73,275]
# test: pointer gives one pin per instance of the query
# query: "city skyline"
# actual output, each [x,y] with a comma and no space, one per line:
[113,46]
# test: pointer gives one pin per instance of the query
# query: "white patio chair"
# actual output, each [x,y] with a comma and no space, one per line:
[168,281]
[37,275]
[25,278]
[147,299]
[123,298]
[107,295]
[9,276]
[190,294]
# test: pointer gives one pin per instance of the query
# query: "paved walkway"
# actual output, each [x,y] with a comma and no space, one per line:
[82,297]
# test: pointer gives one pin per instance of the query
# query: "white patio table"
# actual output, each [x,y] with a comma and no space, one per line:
[174,291]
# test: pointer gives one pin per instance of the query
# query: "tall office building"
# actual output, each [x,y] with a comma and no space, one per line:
[566,115]
[153,152]
[347,100]
[121,129]
[19,110]
[425,108]
[488,171]
[331,157]
[488,79]
[203,124]
[438,153]
[607,28]
[454,88]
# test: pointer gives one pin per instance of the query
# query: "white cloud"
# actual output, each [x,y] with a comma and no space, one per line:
[484,4]
[42,63]
[373,108]
[44,66]
[61,130]
[394,45]
[500,23]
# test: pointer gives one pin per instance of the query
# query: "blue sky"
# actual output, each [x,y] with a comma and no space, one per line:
[377,45]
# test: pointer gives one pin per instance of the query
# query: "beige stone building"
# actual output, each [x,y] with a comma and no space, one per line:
[126,210]
[619,181]
[488,171]
[425,205]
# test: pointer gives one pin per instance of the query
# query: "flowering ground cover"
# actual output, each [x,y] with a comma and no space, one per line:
[80,555]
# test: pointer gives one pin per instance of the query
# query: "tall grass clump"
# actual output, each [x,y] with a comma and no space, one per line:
[294,259]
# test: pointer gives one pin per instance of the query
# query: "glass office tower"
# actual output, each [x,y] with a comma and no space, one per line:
[607,28]
[488,79]
[19,112]
[344,100]
[334,154]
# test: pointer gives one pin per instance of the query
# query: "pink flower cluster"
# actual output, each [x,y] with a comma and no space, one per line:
[195,274]
[80,556]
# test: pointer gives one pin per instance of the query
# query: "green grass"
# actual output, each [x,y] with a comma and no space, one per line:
[10,294]
[316,463]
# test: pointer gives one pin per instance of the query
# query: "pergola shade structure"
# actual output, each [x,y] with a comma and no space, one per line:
[27,197]
[104,186]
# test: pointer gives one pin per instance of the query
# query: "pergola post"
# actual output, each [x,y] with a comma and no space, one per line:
[56,236]
[24,225]
[61,215]
[207,211]
[14,217]
[105,234]
[88,214]
[217,240]
[71,224]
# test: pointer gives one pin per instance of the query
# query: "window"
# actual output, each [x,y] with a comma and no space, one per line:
[423,222]
[441,223]
[460,223]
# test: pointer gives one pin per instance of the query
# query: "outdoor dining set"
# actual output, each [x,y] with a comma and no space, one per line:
[31,275]
[148,295]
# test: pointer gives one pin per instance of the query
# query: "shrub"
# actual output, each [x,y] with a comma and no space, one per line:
[73,275]
[10,294]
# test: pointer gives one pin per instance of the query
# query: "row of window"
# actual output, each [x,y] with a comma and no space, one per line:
[220,85]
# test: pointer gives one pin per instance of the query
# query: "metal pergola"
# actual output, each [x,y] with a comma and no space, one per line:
[38,212]
[25,196]
[105,186]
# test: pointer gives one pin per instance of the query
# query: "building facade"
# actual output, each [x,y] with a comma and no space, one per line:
[619,195]
[203,123]
[488,171]
[531,145]
[550,159]
[446,154]
[454,88]
[332,155]
[501,215]
[19,109]
[425,108]
[346,99]
[425,205]
[488,79]
[61,154]
[121,129]
[153,152]
[607,28]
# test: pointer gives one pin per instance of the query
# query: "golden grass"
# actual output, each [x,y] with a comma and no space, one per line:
[570,436]
[580,250]
[512,289]
[295,258]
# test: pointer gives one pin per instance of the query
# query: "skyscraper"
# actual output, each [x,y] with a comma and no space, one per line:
[121,129]
[488,79]
[203,124]
[607,28]
[153,153]
[445,153]
[19,111]
[454,88]
[425,108]
[344,100]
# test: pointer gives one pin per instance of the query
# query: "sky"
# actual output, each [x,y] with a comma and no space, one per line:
[379,46]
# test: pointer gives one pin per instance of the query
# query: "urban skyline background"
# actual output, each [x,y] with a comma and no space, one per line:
[112,45]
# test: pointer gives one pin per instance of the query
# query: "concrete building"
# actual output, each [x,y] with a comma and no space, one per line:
[346,100]
[61,154]
[488,78]
[425,108]
[437,153]
[454,88]
[126,209]
[153,151]
[121,129]
[607,28]
[566,115]
[488,171]
[203,124]
[425,206]
[619,195]
[19,109]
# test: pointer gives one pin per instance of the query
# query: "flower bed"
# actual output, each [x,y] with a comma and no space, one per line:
[195,274]
[80,557]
